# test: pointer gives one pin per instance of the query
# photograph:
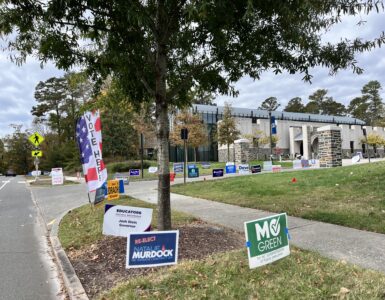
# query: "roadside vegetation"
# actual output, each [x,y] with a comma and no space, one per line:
[302,275]
[350,196]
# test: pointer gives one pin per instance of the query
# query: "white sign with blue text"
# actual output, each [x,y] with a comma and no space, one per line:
[152,249]
[120,220]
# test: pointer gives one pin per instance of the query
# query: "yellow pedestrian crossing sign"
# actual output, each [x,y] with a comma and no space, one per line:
[37,153]
[36,139]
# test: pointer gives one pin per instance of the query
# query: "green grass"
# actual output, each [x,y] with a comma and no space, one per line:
[302,275]
[83,226]
[350,196]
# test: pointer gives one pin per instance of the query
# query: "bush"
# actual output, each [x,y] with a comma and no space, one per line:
[126,166]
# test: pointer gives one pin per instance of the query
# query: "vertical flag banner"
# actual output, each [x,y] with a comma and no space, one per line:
[89,139]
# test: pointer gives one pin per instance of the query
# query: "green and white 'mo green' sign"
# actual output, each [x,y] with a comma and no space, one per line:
[267,240]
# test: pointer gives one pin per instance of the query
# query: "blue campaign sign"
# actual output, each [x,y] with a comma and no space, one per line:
[178,167]
[218,173]
[193,172]
[230,169]
[134,172]
[191,166]
[152,249]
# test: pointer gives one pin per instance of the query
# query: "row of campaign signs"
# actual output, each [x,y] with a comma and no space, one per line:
[231,168]
[267,239]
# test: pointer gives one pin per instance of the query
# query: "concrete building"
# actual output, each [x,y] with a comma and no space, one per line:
[297,133]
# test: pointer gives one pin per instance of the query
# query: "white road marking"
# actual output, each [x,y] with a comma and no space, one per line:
[51,223]
[4,183]
[21,182]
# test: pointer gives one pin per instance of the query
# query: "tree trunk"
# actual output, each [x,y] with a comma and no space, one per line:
[228,152]
[162,124]
[195,154]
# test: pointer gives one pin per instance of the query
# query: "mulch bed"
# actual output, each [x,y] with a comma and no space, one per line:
[102,265]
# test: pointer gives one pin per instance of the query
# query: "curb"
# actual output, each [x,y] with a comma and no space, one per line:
[72,283]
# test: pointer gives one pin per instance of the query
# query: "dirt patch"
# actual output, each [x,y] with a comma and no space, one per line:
[102,265]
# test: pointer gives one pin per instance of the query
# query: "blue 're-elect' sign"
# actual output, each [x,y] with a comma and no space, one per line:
[178,167]
[218,173]
[152,249]
[231,169]
[135,172]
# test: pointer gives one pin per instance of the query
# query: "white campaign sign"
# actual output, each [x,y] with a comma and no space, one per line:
[152,169]
[120,220]
[57,176]
[244,169]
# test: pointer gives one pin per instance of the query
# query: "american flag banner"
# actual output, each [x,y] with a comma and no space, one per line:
[89,139]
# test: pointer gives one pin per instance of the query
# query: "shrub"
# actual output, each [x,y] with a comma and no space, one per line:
[126,166]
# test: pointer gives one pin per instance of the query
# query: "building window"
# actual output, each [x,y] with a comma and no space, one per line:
[351,146]
[254,120]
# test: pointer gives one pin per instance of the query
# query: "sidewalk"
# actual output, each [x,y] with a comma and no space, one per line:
[362,248]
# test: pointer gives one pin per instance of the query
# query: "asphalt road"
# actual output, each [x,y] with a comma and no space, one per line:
[27,270]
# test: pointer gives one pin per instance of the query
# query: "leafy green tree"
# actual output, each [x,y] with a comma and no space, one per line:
[371,93]
[50,96]
[227,129]
[158,50]
[197,132]
[18,153]
[295,105]
[270,104]
[358,108]
[321,104]
[3,165]
[369,107]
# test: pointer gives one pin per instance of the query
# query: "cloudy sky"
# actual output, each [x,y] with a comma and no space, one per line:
[17,84]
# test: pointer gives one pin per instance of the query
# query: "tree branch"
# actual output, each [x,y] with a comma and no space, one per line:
[185,81]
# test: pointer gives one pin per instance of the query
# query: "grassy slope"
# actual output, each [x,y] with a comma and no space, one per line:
[302,275]
[83,226]
[350,196]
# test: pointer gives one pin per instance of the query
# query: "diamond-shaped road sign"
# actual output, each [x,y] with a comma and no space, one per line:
[36,139]
[37,153]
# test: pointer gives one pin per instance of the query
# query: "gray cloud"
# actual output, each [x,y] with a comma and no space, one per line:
[17,87]
[343,86]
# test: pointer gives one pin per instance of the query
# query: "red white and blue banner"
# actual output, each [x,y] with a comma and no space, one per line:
[152,249]
[89,139]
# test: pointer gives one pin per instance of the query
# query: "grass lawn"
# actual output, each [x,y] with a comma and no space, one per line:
[83,225]
[351,196]
[302,275]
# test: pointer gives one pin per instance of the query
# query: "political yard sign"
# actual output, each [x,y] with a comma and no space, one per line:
[152,249]
[112,189]
[267,240]
[120,220]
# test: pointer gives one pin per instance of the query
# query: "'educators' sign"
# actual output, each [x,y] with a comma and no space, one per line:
[120,220]
[267,240]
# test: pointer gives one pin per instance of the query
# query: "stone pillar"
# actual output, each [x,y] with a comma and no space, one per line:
[291,142]
[306,130]
[329,146]
[241,148]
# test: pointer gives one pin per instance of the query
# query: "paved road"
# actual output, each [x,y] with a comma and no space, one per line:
[26,267]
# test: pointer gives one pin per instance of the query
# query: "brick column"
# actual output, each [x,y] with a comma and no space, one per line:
[329,146]
[241,148]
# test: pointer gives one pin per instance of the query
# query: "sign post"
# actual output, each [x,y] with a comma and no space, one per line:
[36,139]
[184,137]
[267,240]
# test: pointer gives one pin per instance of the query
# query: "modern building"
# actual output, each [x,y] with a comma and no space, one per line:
[296,133]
